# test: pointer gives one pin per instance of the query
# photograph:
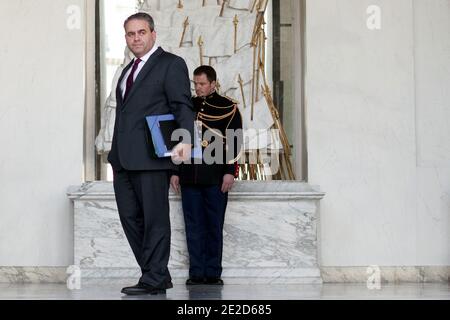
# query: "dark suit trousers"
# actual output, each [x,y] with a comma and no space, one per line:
[143,202]
[204,213]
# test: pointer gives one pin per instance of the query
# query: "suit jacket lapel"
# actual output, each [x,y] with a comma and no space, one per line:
[145,70]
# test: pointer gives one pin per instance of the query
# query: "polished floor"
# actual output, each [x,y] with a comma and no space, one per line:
[405,291]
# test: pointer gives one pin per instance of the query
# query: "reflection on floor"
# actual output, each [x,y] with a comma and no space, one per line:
[438,291]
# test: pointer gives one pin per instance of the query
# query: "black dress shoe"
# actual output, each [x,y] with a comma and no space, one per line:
[214,281]
[141,289]
[194,281]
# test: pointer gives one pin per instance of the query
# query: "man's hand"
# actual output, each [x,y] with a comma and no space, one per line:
[181,153]
[228,181]
[175,183]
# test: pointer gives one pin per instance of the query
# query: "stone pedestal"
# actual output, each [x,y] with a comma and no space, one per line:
[270,234]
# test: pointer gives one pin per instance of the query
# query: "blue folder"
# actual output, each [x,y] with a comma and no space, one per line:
[161,128]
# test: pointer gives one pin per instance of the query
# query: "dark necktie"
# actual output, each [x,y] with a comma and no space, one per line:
[130,79]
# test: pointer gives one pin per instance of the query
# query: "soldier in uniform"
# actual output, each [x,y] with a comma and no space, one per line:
[205,186]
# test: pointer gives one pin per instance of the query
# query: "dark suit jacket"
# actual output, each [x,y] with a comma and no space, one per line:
[161,87]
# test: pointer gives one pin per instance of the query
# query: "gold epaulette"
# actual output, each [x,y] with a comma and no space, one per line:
[229,98]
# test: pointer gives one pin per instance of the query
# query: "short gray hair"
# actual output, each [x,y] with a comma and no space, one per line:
[141,16]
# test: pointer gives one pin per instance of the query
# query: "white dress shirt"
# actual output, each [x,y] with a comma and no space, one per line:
[123,84]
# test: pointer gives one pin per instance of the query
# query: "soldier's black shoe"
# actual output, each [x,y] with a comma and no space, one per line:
[214,281]
[195,281]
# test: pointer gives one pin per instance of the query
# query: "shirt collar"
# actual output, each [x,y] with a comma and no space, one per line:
[149,54]
[209,96]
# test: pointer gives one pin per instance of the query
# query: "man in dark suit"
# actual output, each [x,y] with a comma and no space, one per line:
[154,83]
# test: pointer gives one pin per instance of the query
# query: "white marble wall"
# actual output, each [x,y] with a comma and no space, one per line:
[432,80]
[41,129]
[378,128]
[269,234]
